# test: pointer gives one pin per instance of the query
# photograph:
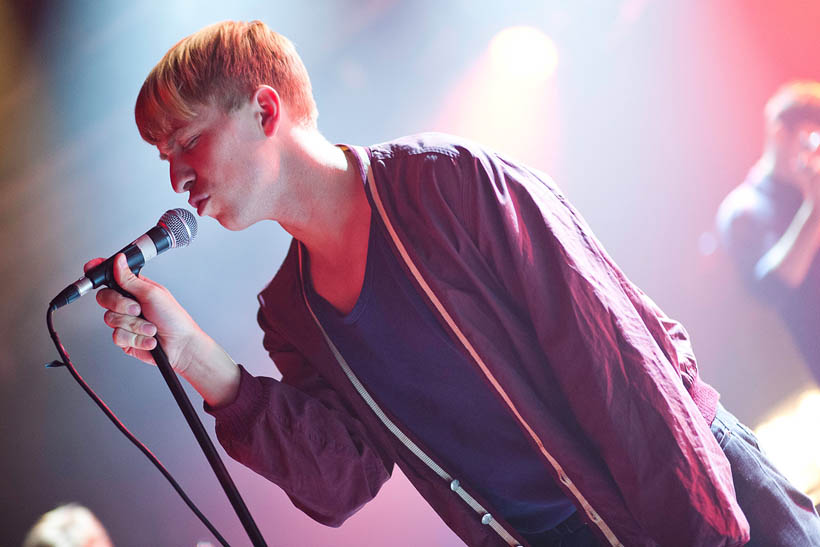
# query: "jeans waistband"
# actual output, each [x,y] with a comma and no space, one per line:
[568,526]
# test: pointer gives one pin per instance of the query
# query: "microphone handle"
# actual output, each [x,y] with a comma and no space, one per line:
[153,242]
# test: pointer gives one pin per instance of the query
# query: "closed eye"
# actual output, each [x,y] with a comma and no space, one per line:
[191,143]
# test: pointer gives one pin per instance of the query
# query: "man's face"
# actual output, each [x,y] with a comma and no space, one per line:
[802,147]
[219,159]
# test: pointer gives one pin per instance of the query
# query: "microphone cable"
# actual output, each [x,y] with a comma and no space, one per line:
[66,362]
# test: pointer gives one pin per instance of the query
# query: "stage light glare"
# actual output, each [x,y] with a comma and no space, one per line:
[788,439]
[523,53]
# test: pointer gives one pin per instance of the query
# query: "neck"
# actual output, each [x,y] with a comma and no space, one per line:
[326,195]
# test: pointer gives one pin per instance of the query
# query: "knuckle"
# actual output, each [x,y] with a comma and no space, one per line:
[127,306]
[123,338]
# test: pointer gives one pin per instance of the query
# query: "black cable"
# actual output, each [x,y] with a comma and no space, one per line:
[111,416]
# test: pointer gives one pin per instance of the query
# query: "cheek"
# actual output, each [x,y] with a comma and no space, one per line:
[237,171]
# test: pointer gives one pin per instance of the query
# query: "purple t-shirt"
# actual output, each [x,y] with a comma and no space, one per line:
[410,365]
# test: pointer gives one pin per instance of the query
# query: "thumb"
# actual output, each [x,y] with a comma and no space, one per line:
[125,278]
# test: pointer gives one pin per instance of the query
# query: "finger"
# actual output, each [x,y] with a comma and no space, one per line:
[127,339]
[114,301]
[91,263]
[129,323]
[126,279]
[141,354]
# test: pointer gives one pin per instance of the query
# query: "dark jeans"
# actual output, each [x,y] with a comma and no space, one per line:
[779,515]
[573,532]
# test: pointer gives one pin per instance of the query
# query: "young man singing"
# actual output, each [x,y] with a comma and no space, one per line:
[445,309]
[770,223]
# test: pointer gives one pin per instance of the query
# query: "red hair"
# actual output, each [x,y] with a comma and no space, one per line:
[221,64]
[796,101]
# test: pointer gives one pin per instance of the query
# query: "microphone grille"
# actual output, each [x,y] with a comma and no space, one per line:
[181,225]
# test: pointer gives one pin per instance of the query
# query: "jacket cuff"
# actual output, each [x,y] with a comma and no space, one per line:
[706,399]
[248,397]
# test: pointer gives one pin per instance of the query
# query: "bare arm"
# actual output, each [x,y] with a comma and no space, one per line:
[791,256]
[192,353]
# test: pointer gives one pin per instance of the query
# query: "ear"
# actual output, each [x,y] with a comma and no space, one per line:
[267,109]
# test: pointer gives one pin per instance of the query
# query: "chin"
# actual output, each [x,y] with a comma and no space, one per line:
[232,223]
[228,225]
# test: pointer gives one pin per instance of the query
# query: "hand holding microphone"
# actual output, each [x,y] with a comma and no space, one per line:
[153,314]
[161,314]
[176,228]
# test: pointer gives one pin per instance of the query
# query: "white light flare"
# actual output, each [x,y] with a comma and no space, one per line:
[524,54]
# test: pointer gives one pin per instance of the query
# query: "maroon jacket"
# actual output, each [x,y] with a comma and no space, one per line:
[604,384]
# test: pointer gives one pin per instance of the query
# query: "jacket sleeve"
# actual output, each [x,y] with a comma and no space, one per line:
[299,434]
[624,390]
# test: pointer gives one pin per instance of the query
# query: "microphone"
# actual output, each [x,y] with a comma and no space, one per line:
[176,228]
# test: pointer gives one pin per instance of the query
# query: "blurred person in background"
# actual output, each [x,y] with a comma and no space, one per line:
[445,309]
[770,223]
[69,525]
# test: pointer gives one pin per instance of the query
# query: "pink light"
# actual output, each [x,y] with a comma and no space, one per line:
[508,98]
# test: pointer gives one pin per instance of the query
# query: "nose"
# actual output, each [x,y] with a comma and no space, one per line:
[182,176]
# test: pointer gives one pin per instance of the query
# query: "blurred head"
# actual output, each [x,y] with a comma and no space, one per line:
[222,65]
[69,525]
[793,126]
